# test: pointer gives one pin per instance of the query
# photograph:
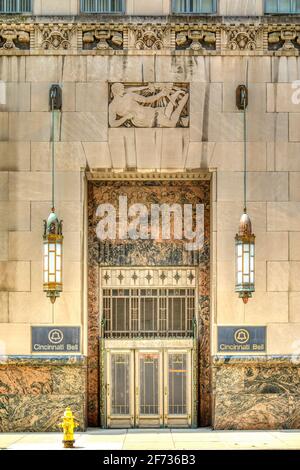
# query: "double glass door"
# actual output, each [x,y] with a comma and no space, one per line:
[149,388]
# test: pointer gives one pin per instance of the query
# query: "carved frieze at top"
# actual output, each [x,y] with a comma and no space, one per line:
[14,37]
[102,37]
[150,37]
[283,39]
[242,38]
[55,37]
[197,38]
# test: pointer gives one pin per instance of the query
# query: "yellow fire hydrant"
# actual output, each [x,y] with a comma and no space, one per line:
[68,425]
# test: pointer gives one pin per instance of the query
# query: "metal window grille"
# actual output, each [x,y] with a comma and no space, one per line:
[15,6]
[102,6]
[282,6]
[194,6]
[148,312]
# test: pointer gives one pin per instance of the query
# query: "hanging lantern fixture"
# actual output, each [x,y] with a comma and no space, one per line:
[245,239]
[53,237]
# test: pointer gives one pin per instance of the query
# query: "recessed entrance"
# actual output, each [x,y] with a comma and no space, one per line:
[149,387]
[149,295]
[149,329]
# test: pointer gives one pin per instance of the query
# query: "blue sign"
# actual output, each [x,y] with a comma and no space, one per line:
[237,339]
[62,339]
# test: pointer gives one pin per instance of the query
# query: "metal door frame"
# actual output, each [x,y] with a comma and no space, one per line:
[134,419]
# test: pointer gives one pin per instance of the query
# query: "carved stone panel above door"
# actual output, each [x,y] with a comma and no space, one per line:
[149,105]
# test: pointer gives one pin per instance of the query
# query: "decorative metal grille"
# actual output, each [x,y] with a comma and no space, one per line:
[194,6]
[282,6]
[15,6]
[148,312]
[149,400]
[177,383]
[120,384]
[102,6]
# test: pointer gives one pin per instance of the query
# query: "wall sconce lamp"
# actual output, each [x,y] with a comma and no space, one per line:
[245,239]
[53,237]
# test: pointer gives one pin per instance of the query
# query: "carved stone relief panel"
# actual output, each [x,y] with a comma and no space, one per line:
[14,36]
[56,36]
[149,105]
[242,38]
[149,37]
[285,40]
[102,37]
[195,38]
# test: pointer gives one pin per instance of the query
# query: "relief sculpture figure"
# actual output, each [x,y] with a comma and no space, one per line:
[157,105]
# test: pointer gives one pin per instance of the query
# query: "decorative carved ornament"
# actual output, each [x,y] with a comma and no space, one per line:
[101,37]
[149,37]
[242,37]
[14,36]
[149,105]
[284,39]
[196,37]
[213,38]
[56,37]
[144,277]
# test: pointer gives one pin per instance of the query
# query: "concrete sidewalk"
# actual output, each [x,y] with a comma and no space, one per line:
[161,439]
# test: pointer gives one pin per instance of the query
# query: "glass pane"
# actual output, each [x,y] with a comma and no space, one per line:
[120,314]
[46,263]
[149,404]
[177,384]
[176,314]
[148,314]
[194,6]
[101,6]
[58,276]
[120,384]
[284,6]
[271,6]
[58,248]
[297,6]
[246,263]
[46,277]
[58,263]
[51,262]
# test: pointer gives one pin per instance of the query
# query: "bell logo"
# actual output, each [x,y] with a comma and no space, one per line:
[241,336]
[55,336]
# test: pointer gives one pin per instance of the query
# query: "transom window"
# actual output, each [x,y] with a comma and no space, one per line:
[148,312]
[15,6]
[194,6]
[102,6]
[282,6]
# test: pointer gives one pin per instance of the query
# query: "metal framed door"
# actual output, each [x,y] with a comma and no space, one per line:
[149,388]
[177,388]
[119,387]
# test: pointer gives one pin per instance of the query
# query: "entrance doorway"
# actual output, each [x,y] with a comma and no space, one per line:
[149,387]
[148,347]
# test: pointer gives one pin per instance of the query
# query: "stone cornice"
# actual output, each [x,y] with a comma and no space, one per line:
[148,175]
[184,35]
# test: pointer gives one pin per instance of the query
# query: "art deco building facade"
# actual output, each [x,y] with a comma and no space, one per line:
[145,331]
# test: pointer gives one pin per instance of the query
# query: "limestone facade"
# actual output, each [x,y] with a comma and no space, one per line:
[212,56]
